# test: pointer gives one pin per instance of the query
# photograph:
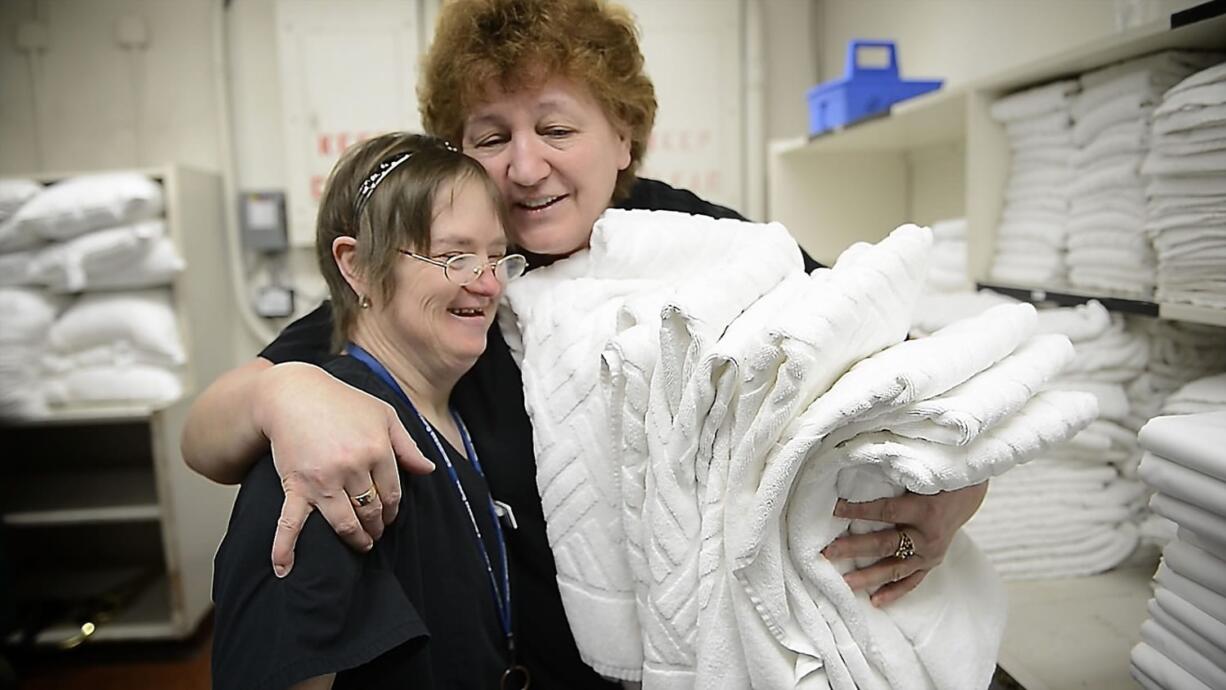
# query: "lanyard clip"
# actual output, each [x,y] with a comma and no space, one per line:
[504,513]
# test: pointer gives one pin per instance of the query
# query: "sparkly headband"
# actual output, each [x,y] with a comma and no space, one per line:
[372,180]
[385,168]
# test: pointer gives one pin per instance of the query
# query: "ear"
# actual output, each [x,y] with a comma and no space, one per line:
[345,254]
[623,149]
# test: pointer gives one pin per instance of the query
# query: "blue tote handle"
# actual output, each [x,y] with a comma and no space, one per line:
[853,59]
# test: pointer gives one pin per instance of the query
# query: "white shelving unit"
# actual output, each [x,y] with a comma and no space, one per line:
[942,156]
[97,501]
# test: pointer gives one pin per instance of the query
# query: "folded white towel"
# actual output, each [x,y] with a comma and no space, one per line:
[1209,526]
[1188,485]
[1206,185]
[1123,108]
[1183,654]
[1035,101]
[579,304]
[1157,670]
[1198,595]
[1201,566]
[959,415]
[1103,552]
[1197,629]
[1195,441]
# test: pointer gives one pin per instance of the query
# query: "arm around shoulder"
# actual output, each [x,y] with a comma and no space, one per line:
[222,438]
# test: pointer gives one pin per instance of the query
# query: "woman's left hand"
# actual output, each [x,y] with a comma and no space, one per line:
[929,521]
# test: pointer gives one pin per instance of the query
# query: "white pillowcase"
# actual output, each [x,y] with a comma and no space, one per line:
[101,385]
[17,268]
[14,192]
[90,202]
[26,316]
[143,320]
[137,255]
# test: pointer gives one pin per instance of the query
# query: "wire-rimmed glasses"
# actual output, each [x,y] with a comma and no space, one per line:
[464,269]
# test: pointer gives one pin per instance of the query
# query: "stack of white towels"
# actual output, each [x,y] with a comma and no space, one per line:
[1187,190]
[1206,394]
[947,269]
[1074,511]
[1108,248]
[1032,237]
[101,239]
[1180,353]
[699,404]
[1183,643]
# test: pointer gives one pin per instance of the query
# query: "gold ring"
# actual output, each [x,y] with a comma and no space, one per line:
[906,547]
[365,498]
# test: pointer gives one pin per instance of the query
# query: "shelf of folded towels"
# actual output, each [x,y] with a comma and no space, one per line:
[1099,172]
[112,297]
[1183,642]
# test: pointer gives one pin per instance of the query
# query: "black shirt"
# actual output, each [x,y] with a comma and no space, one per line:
[416,611]
[490,398]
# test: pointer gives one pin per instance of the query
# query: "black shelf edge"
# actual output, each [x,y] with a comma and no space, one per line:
[1068,299]
[1198,13]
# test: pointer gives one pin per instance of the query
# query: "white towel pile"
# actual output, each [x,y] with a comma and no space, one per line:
[1206,394]
[25,322]
[1180,353]
[1031,239]
[1108,248]
[1074,511]
[947,269]
[1187,190]
[1183,643]
[699,404]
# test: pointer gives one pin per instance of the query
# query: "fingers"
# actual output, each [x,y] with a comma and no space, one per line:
[387,479]
[895,590]
[883,572]
[369,511]
[294,512]
[407,452]
[907,509]
[880,544]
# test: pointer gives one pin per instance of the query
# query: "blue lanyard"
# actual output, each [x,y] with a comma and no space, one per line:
[502,599]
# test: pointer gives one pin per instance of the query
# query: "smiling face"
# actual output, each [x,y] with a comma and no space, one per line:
[424,320]
[554,155]
[442,323]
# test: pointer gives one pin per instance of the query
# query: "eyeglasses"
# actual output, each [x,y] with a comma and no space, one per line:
[464,269]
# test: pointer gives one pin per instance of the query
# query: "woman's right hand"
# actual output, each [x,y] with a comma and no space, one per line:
[329,442]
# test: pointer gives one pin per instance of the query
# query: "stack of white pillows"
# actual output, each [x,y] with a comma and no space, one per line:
[96,246]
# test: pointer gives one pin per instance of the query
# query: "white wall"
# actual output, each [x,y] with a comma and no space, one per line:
[99,106]
[962,39]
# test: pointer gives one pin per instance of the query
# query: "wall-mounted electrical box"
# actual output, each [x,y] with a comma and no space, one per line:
[263,222]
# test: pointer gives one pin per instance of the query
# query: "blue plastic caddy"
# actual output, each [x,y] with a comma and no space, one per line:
[863,91]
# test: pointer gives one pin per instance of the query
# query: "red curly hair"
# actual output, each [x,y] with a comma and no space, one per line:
[518,44]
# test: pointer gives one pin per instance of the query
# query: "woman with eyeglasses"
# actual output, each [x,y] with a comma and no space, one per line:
[411,243]
[552,98]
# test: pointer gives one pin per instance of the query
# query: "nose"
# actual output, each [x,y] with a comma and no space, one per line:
[528,166]
[486,284]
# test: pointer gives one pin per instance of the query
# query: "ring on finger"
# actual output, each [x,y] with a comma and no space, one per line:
[366,497]
[906,547]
